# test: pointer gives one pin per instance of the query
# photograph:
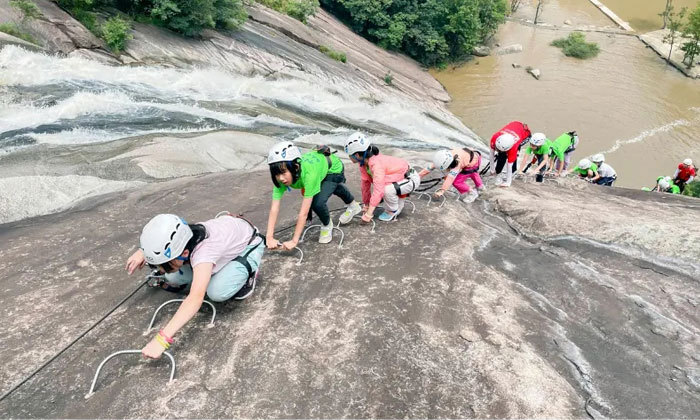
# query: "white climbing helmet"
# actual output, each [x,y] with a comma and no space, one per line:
[538,139]
[164,238]
[584,164]
[664,184]
[357,142]
[598,158]
[283,152]
[442,159]
[505,141]
[688,162]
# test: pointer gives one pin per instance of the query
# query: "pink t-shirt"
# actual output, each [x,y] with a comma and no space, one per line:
[227,238]
[382,171]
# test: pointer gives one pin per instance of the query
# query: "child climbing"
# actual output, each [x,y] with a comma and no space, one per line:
[318,175]
[586,170]
[383,176]
[538,150]
[606,174]
[462,164]
[219,258]
[505,145]
[685,173]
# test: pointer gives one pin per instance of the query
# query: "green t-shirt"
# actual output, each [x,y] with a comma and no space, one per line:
[560,145]
[584,172]
[545,149]
[314,168]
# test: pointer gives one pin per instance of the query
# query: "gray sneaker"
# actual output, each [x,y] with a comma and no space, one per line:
[326,234]
[353,210]
[469,197]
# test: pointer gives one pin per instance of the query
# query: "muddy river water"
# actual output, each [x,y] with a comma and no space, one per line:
[626,102]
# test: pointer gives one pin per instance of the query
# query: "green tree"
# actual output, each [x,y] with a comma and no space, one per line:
[431,31]
[675,23]
[667,11]
[692,32]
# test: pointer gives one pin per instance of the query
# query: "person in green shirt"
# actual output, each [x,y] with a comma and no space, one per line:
[539,148]
[665,184]
[564,147]
[585,169]
[318,174]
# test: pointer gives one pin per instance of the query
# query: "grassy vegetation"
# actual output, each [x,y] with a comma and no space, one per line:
[28,9]
[692,189]
[575,45]
[336,55]
[12,29]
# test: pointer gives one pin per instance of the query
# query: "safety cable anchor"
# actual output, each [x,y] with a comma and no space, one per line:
[118,353]
[153,318]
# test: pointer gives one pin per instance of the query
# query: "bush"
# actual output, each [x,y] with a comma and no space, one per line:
[302,9]
[191,17]
[431,31]
[388,78]
[27,8]
[575,45]
[12,29]
[115,32]
[692,189]
[88,20]
[336,55]
[298,9]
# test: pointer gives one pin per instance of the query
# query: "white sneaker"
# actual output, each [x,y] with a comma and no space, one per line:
[469,197]
[326,233]
[353,210]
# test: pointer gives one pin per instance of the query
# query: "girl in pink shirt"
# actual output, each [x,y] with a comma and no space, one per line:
[383,177]
[463,164]
[218,258]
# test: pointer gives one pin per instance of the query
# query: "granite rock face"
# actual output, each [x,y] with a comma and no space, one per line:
[526,303]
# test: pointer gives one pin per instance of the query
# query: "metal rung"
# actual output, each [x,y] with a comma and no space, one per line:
[99,368]
[342,235]
[430,197]
[444,200]
[374,224]
[153,319]
[222,213]
[412,204]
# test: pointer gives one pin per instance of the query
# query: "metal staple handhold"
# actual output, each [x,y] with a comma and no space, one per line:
[153,319]
[413,204]
[342,235]
[374,224]
[99,368]
[430,197]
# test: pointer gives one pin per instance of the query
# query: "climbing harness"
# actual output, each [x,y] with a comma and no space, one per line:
[153,318]
[113,355]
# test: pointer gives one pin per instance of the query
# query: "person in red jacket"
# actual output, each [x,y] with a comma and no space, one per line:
[684,174]
[505,145]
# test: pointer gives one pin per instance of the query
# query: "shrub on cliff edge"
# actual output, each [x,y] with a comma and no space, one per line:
[692,189]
